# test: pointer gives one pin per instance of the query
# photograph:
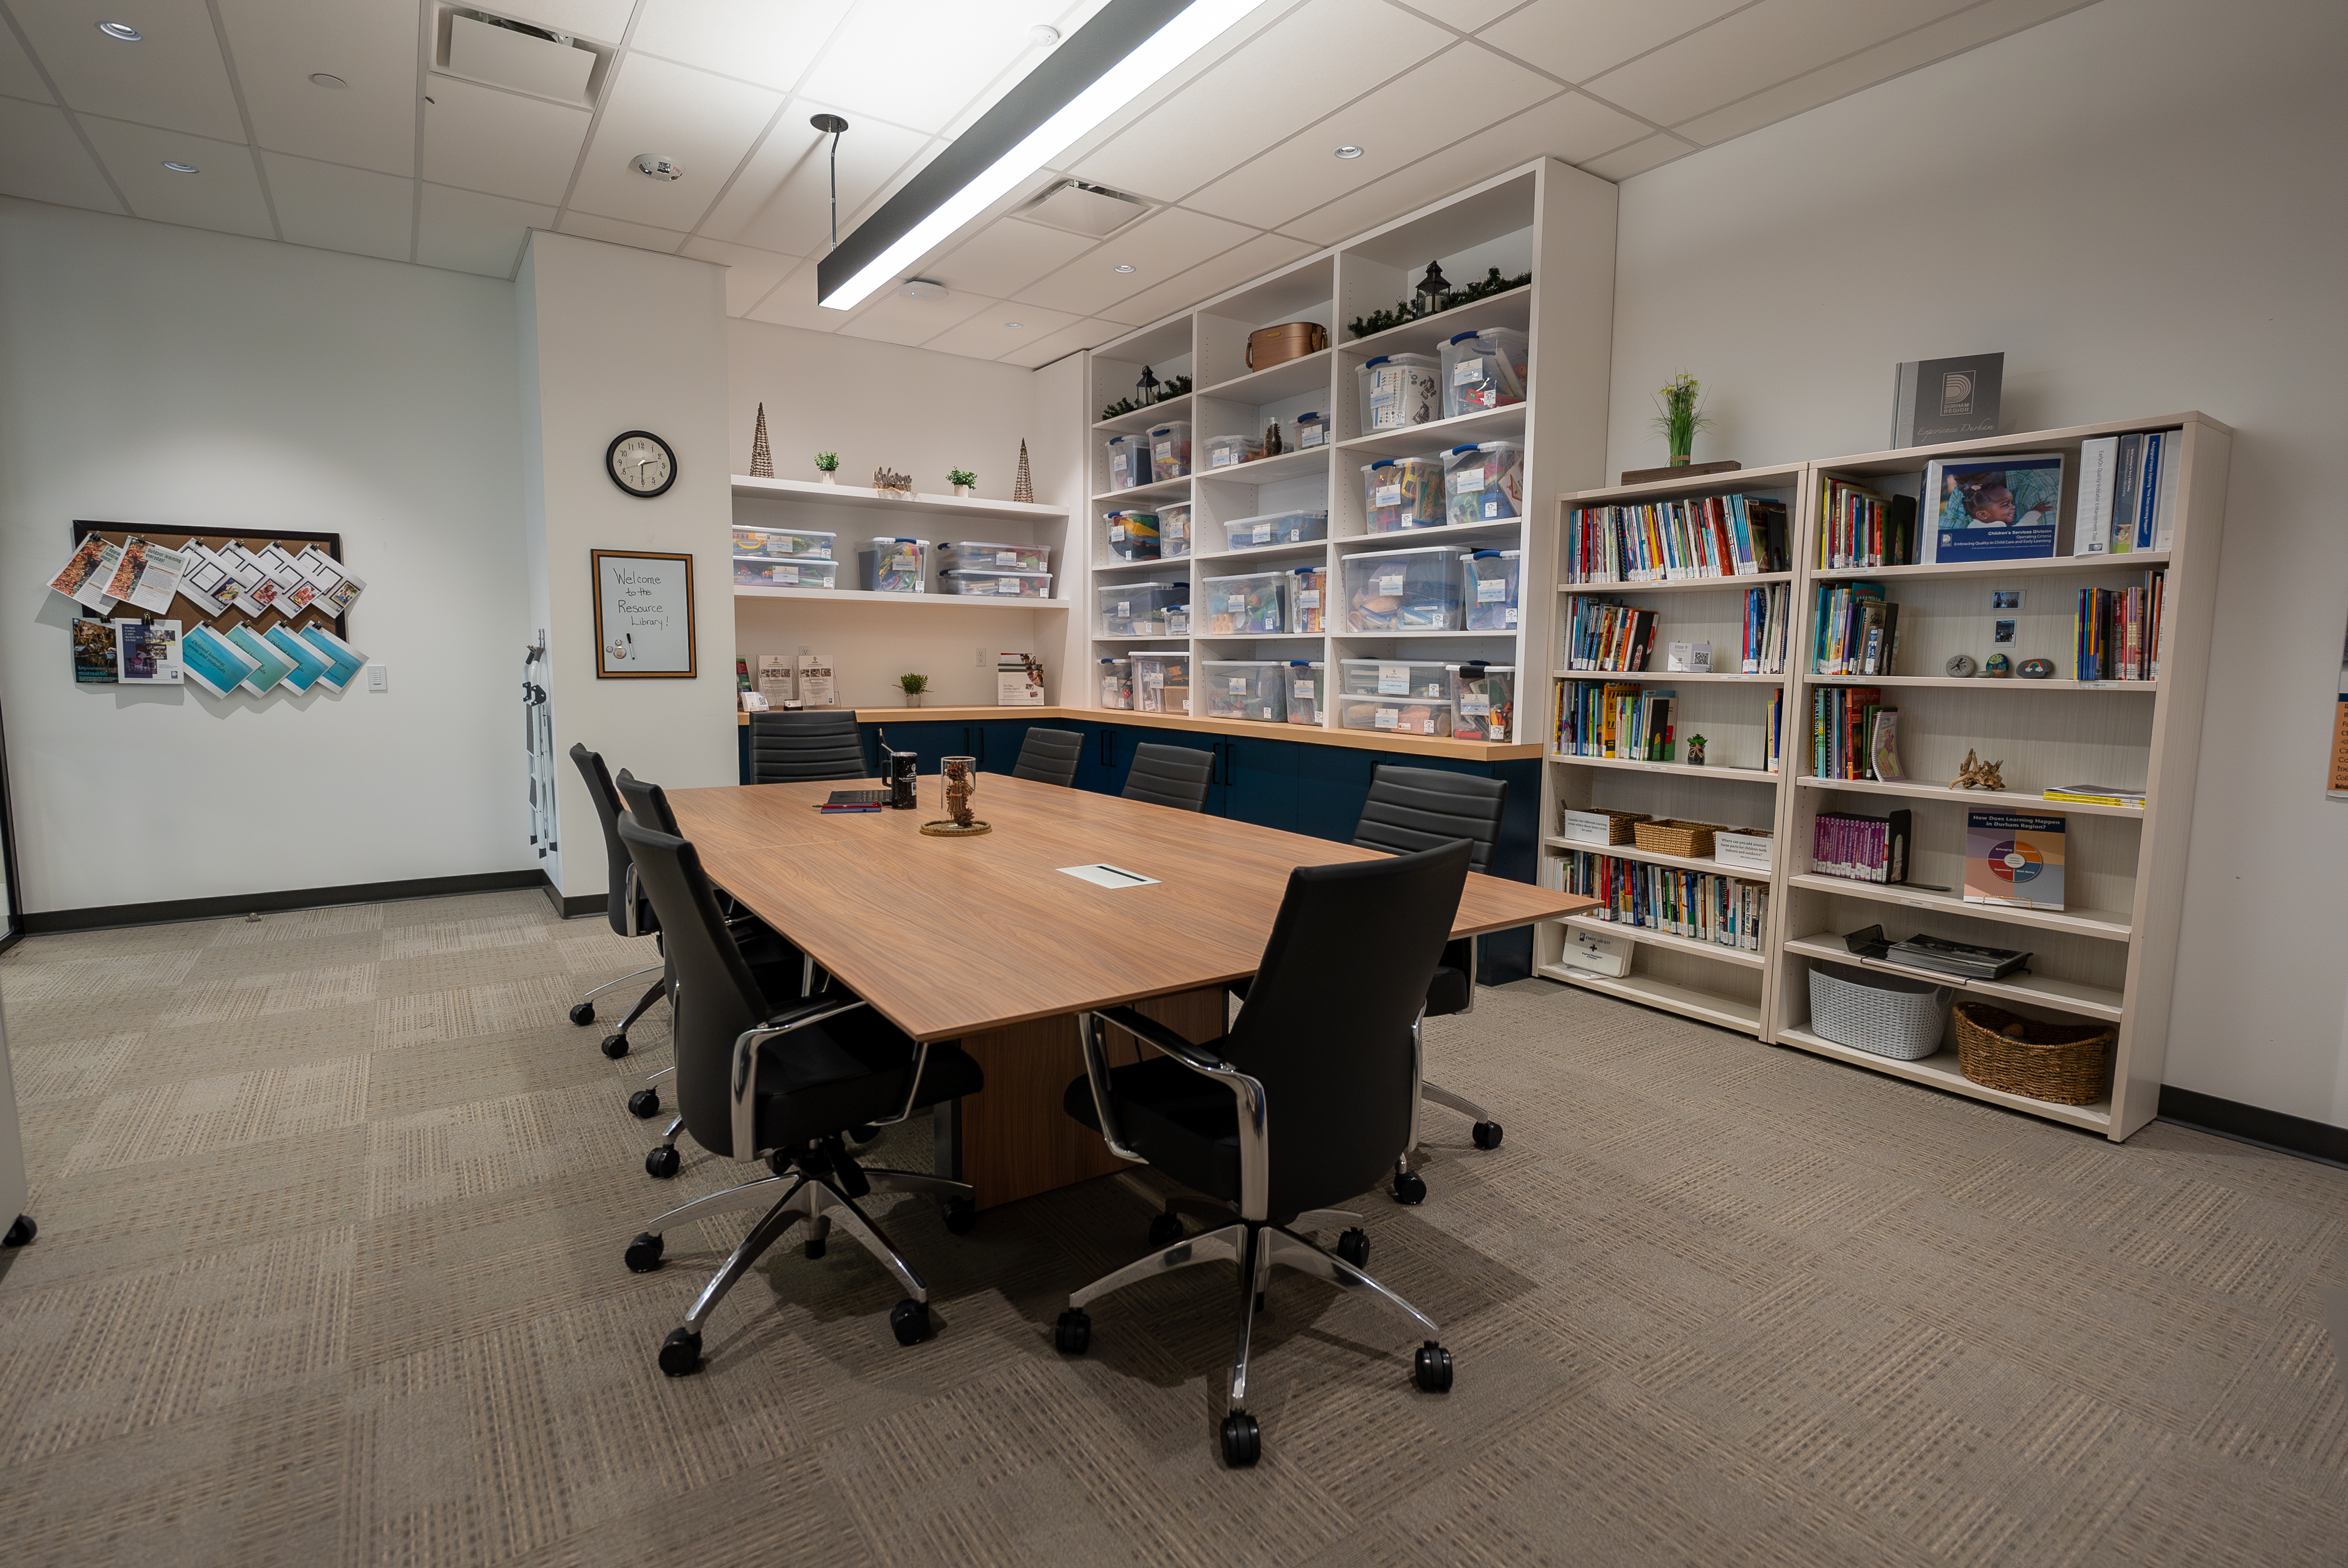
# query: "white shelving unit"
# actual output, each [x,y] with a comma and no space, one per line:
[1545,218]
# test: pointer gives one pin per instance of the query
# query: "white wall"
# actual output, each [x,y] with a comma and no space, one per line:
[2141,204]
[203,381]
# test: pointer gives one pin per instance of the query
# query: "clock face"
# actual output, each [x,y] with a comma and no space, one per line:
[641,463]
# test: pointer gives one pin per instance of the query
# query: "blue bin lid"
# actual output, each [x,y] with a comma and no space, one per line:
[1464,337]
[1308,419]
[1381,359]
[1469,447]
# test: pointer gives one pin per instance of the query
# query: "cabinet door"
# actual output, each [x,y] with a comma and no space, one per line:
[1257,781]
[1094,760]
[996,743]
[927,742]
[1331,783]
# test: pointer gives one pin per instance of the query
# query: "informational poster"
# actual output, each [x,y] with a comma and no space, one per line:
[2338,789]
[643,615]
[816,682]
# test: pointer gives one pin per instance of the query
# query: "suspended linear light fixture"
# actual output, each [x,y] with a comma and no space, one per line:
[831,125]
[1125,49]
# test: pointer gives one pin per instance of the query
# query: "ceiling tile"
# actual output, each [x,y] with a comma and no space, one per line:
[1157,248]
[1464,89]
[175,78]
[1639,157]
[1235,266]
[1570,127]
[1577,39]
[369,124]
[792,302]
[893,318]
[987,336]
[1196,136]
[1756,48]
[339,209]
[470,232]
[18,76]
[1465,14]
[1065,341]
[225,195]
[479,138]
[605,21]
[916,62]
[42,160]
[707,123]
[611,230]
[782,199]
[770,45]
[749,273]
[1007,256]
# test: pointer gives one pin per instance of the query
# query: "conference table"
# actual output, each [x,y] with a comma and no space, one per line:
[990,942]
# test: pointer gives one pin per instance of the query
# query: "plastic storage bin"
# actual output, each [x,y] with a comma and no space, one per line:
[1403,590]
[1883,1014]
[1129,462]
[994,584]
[1312,430]
[1117,683]
[1488,582]
[764,573]
[1484,701]
[1231,451]
[1169,450]
[1161,683]
[1401,715]
[1484,484]
[1308,599]
[1306,686]
[1394,677]
[798,543]
[1275,528]
[1133,535]
[1243,688]
[974,554]
[1483,370]
[1398,390]
[1403,492]
[1139,609]
[1174,531]
[893,565]
[1178,619]
[1255,605]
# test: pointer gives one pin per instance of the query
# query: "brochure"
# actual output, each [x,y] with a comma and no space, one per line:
[205,582]
[323,570]
[339,599]
[147,652]
[86,575]
[343,661]
[308,662]
[212,662]
[817,688]
[93,653]
[268,666]
[159,579]
[127,567]
[2014,857]
[775,678]
[294,590]
[1992,509]
[253,589]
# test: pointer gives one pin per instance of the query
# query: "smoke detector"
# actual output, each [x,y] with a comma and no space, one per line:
[922,288]
[653,166]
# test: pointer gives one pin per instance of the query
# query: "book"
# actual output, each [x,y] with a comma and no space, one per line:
[1699,906]
[1994,509]
[1884,746]
[93,653]
[1939,400]
[2014,858]
[1676,541]
[1860,848]
[2096,794]
[2091,523]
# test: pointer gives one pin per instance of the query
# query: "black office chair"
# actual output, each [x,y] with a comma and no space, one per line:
[1174,776]
[791,747]
[625,906]
[1304,1103]
[1049,757]
[762,1076]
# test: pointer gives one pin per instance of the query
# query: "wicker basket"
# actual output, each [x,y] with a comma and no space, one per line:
[2068,1063]
[1670,836]
[1618,823]
[1881,1013]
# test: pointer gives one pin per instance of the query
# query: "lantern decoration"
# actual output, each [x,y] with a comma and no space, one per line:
[1144,391]
[1427,298]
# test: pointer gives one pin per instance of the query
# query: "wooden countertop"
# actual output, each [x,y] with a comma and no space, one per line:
[1310,734]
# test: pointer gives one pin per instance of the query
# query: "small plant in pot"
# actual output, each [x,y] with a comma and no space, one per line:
[827,467]
[963,480]
[914,686]
[1679,405]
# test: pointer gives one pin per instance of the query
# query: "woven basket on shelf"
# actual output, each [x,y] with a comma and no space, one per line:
[1670,836]
[1618,823]
[2068,1063]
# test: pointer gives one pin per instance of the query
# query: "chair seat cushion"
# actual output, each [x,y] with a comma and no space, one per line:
[1184,1125]
[818,1080]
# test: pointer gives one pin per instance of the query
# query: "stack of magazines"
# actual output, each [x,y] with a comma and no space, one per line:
[1959,958]
[2096,795]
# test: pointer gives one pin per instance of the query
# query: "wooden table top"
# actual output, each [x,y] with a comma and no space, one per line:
[951,937]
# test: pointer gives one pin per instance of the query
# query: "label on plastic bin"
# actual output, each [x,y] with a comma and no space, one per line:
[1428,728]
[1467,370]
[1491,590]
[787,575]
[1262,532]
[1116,532]
[1386,718]
[1500,732]
[1225,458]
[1007,585]
[1390,583]
[1308,436]
[1387,495]
[1303,692]
[1124,607]
[1394,680]
[1473,705]
[1163,451]
[1177,527]
[1466,479]
[1308,598]
[1235,602]
[1491,507]
[1509,617]
[1007,558]
[1239,683]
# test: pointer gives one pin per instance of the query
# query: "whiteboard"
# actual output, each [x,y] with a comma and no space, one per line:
[644,614]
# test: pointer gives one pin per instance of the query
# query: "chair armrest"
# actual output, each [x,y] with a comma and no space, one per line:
[743,1084]
[1255,1161]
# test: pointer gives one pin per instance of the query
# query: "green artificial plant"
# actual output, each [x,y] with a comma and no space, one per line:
[827,461]
[1681,414]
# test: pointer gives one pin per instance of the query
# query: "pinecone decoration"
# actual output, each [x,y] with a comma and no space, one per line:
[762,457]
[1023,487]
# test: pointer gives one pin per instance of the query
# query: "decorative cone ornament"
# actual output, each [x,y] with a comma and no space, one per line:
[1023,487]
[762,457]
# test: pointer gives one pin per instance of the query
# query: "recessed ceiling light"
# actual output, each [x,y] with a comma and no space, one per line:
[1014,325]
[327,79]
[181,168]
[1124,268]
[122,30]
[1349,151]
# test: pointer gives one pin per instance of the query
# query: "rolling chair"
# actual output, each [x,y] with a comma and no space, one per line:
[624,905]
[1299,1105]
[1175,776]
[1049,757]
[781,1079]
[792,748]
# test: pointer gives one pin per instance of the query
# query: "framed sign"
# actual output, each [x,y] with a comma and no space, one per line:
[643,615]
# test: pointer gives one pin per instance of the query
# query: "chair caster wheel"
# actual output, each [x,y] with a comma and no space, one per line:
[909,1320]
[663,1161]
[814,1248]
[863,1132]
[1486,1134]
[1242,1440]
[1164,1229]
[680,1353]
[615,1045]
[1354,1246]
[959,1214]
[1409,1187]
[1072,1335]
[643,1254]
[644,1104]
[21,1234]
[1431,1368]
[583,1013]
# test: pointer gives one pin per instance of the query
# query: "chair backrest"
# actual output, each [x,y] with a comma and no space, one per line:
[1173,776]
[1417,808]
[648,804]
[713,994]
[1325,1027]
[616,853]
[1049,756]
[790,748]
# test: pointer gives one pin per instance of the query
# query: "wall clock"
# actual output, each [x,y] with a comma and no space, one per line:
[640,463]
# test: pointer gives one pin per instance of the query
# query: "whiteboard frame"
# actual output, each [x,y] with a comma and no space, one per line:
[595,559]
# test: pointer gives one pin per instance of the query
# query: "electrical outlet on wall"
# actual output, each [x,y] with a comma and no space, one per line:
[982,658]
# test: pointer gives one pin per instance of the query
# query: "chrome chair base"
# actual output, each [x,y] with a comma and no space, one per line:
[1487,1132]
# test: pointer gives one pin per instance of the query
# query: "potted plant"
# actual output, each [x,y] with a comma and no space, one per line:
[826,466]
[914,686]
[1681,415]
[963,480]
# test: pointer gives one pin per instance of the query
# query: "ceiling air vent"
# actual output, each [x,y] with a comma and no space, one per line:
[1081,209]
[517,56]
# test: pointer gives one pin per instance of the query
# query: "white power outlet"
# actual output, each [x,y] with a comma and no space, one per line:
[982,658]
[379,678]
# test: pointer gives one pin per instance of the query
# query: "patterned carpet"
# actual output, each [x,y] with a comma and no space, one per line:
[331,1208]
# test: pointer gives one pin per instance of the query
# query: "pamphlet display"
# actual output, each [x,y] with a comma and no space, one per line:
[2014,858]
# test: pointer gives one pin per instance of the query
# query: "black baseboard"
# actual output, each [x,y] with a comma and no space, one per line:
[577,904]
[2254,1124]
[170,911]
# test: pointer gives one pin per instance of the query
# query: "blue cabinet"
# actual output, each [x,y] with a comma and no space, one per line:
[1256,780]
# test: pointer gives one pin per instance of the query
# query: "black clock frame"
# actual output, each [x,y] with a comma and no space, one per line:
[612,472]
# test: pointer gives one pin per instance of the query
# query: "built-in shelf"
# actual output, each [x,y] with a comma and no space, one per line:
[1404,538]
[1399,637]
[1156,490]
[1305,462]
[1276,383]
[747,487]
[2007,799]
[1428,334]
[1707,865]
[2107,925]
[1940,1071]
[2128,562]
[1750,579]
[931,601]
[1975,682]
[1742,775]
[1648,991]
[1157,414]
[1303,550]
[1742,957]
[2037,990]
[1505,423]
[1671,677]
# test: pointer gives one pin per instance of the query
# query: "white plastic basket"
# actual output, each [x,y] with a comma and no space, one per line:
[1883,1014]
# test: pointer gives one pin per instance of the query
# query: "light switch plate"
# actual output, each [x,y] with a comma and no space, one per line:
[379,678]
